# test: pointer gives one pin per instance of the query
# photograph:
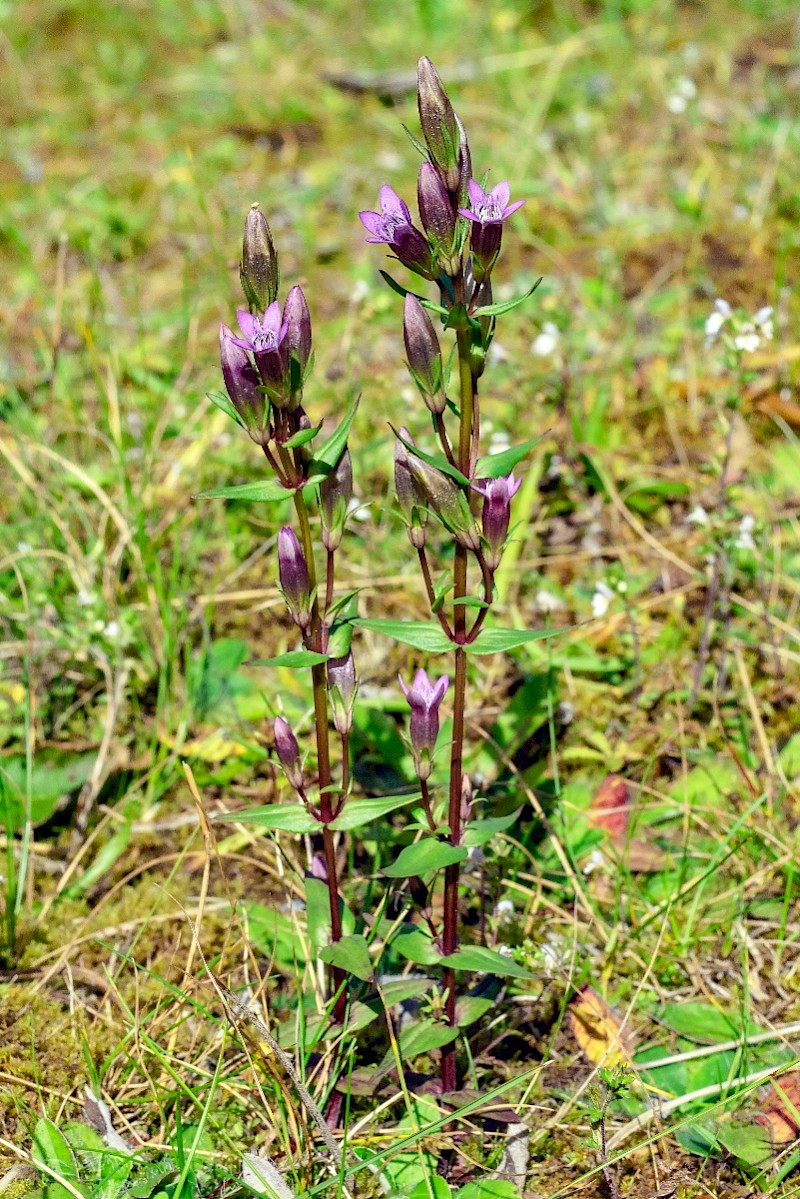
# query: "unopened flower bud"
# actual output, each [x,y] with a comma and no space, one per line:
[424,698]
[297,339]
[409,494]
[318,867]
[496,515]
[437,215]
[335,494]
[438,121]
[288,752]
[259,268]
[466,798]
[464,164]
[418,892]
[342,689]
[241,384]
[295,582]
[447,500]
[424,354]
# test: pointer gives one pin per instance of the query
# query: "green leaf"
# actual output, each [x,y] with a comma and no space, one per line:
[434,1187]
[318,912]
[340,638]
[488,1188]
[266,491]
[351,954]
[296,659]
[485,961]
[302,436]
[426,635]
[495,466]
[423,1037]
[498,641]
[424,856]
[478,832]
[703,1023]
[53,776]
[405,291]
[749,1142]
[331,451]
[225,404]
[438,461]
[505,305]
[416,946]
[288,817]
[470,1008]
[51,1150]
[358,812]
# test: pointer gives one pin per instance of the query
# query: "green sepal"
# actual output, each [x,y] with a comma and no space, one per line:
[226,405]
[301,437]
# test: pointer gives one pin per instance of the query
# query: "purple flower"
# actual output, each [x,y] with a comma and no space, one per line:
[241,383]
[439,123]
[342,689]
[392,226]
[497,495]
[288,752]
[424,699]
[489,208]
[294,577]
[261,336]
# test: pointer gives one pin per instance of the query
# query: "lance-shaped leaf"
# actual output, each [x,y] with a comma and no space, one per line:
[351,954]
[295,659]
[498,641]
[330,452]
[494,466]
[426,635]
[438,461]
[286,817]
[425,856]
[505,305]
[404,291]
[260,491]
[485,961]
[358,812]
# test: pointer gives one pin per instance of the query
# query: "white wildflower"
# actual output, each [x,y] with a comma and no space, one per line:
[544,601]
[503,910]
[747,339]
[595,861]
[721,314]
[112,630]
[547,341]
[763,322]
[744,538]
[601,600]
[697,516]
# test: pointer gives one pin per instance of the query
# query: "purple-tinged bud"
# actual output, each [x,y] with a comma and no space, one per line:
[439,125]
[497,495]
[335,494]
[414,251]
[409,494]
[241,384]
[464,163]
[424,698]
[448,501]
[424,354]
[297,340]
[418,892]
[259,268]
[295,582]
[342,689]
[318,867]
[438,216]
[288,752]
[466,798]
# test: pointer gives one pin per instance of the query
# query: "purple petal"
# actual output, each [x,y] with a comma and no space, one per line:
[272,319]
[250,325]
[392,205]
[372,221]
[469,215]
[513,208]
[500,194]
[244,342]
[406,690]
[513,485]
[439,690]
[477,195]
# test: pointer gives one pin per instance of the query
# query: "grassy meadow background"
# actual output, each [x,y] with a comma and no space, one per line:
[657,145]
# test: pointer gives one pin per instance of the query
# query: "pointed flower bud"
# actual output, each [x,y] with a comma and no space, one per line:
[439,125]
[466,798]
[288,752]
[392,226]
[241,384]
[424,698]
[447,500]
[464,164]
[424,354]
[259,268]
[409,494]
[438,216]
[342,689]
[335,494]
[497,495]
[293,571]
[297,340]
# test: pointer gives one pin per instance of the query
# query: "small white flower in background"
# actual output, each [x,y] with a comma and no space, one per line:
[721,314]
[763,322]
[544,601]
[697,516]
[747,340]
[744,538]
[112,630]
[566,712]
[499,442]
[595,861]
[360,291]
[504,910]
[547,341]
[84,597]
[601,600]
[497,353]
[683,90]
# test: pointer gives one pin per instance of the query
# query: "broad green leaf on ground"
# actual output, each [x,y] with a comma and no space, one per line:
[260,491]
[351,954]
[495,466]
[425,635]
[480,959]
[53,777]
[488,1188]
[470,1008]
[424,856]
[287,817]
[52,1151]
[434,1187]
[358,812]
[703,1023]
[498,641]
[478,832]
[424,1036]
[749,1142]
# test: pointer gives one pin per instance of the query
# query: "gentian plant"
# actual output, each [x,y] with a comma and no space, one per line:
[447,492]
